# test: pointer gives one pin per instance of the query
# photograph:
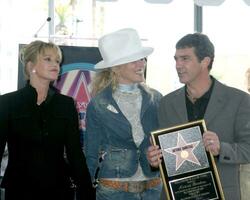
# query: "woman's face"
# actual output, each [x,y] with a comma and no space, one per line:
[47,66]
[132,72]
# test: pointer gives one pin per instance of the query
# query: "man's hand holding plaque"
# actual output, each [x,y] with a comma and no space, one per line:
[184,154]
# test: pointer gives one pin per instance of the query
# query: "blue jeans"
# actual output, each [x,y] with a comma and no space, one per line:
[106,193]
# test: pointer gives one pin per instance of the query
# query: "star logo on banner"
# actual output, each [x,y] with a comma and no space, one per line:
[82,97]
[183,151]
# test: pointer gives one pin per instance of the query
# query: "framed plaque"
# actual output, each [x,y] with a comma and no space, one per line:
[188,171]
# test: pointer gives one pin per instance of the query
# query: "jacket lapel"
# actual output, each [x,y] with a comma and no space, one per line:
[179,105]
[216,102]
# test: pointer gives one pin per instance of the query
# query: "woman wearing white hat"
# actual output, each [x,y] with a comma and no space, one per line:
[119,120]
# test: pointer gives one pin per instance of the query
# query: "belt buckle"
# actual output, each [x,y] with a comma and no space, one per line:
[136,186]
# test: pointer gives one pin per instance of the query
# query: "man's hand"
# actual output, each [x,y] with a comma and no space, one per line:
[154,156]
[211,142]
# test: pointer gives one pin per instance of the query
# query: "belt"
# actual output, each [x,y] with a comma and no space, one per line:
[130,186]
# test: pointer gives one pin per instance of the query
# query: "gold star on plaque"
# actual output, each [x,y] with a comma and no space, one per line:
[183,151]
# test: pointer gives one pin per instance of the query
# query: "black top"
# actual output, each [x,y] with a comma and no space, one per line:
[197,109]
[38,139]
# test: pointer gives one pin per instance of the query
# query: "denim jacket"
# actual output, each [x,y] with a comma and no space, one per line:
[108,131]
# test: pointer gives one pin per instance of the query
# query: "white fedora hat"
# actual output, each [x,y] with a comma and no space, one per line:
[121,47]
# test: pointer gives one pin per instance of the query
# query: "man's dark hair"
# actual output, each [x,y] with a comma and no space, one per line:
[203,47]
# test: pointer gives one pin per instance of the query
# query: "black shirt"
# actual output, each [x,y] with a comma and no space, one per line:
[196,110]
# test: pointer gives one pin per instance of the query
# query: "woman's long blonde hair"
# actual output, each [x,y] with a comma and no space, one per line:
[109,77]
[102,79]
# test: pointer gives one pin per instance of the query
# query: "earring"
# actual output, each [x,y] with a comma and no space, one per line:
[33,71]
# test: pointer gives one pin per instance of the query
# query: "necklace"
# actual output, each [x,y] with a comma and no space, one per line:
[191,97]
[40,100]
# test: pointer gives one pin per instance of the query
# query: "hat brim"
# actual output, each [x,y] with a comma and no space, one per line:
[144,52]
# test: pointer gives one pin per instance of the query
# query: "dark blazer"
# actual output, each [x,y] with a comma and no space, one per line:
[38,139]
[228,115]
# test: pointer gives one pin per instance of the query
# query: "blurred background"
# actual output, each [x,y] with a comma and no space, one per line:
[160,24]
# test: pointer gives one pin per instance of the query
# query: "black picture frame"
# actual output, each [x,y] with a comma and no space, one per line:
[188,171]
